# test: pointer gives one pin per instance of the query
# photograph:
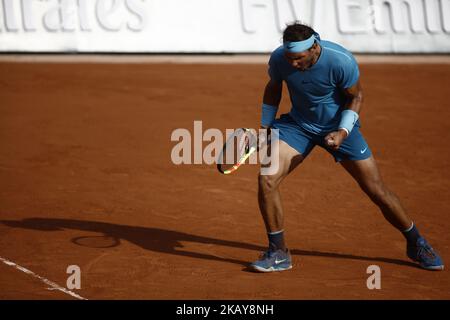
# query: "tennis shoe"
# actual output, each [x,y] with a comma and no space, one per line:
[425,255]
[271,261]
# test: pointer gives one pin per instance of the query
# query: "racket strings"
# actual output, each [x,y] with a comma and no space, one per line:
[238,148]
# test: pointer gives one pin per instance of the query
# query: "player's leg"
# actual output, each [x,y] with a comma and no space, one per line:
[367,174]
[356,157]
[294,145]
[269,199]
[277,257]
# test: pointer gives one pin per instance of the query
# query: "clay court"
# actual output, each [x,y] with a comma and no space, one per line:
[86,179]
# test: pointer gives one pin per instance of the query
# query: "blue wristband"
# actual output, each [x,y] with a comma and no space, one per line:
[268,114]
[348,120]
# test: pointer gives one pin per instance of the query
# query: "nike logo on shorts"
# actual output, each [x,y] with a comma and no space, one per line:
[364,150]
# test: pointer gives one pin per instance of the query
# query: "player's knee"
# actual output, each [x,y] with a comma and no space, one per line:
[376,190]
[268,183]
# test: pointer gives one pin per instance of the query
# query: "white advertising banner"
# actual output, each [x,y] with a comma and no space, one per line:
[213,26]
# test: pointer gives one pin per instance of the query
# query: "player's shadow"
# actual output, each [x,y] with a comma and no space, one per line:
[168,241]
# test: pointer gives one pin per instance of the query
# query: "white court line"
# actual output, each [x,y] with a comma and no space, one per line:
[53,286]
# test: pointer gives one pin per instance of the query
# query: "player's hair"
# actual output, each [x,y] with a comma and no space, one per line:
[297,31]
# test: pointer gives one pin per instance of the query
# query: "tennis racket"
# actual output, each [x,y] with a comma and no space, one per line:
[236,150]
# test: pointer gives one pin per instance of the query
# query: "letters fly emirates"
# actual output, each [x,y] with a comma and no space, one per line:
[72,15]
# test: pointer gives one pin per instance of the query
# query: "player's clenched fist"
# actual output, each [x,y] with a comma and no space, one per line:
[334,139]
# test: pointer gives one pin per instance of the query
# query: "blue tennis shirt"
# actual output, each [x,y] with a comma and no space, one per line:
[316,93]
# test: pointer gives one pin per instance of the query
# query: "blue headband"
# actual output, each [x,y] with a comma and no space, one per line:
[299,46]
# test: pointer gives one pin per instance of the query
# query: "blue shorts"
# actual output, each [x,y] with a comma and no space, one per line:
[354,146]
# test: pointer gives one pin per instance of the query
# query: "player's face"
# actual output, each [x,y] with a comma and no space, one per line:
[303,60]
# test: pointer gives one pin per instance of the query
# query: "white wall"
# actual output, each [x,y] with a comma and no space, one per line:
[220,25]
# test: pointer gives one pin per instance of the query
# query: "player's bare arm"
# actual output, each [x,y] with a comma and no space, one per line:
[354,96]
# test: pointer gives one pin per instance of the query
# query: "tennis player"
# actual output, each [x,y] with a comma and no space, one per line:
[322,78]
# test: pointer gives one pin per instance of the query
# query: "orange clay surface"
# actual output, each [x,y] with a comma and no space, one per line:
[86,179]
